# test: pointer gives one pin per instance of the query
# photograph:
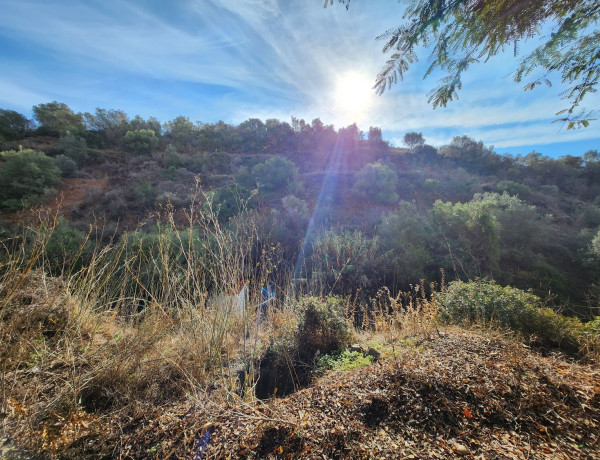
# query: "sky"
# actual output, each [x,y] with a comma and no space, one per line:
[231,60]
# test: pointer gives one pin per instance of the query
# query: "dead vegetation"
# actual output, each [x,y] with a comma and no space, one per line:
[110,362]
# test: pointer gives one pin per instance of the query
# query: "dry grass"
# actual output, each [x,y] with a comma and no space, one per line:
[132,327]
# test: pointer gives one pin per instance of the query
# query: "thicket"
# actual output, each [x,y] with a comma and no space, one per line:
[26,176]
[528,221]
[486,303]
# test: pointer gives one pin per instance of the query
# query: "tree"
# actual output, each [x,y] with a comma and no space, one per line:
[13,125]
[414,140]
[375,137]
[112,124]
[464,32]
[182,133]
[57,118]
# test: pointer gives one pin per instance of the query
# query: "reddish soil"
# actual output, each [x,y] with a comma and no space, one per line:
[69,195]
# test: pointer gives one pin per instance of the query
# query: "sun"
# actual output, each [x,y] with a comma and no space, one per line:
[353,93]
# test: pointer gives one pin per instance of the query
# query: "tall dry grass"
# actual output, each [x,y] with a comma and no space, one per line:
[141,322]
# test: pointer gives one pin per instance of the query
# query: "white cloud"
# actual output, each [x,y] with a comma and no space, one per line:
[254,58]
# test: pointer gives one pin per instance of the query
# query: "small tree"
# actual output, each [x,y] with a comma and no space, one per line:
[57,118]
[140,141]
[413,140]
[25,176]
[13,125]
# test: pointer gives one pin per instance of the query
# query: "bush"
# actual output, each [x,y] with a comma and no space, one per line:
[25,177]
[66,165]
[376,182]
[276,175]
[514,188]
[140,141]
[485,302]
[289,363]
[73,147]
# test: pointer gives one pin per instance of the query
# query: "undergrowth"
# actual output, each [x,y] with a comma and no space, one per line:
[146,321]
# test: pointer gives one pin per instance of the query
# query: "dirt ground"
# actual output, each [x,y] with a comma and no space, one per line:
[455,394]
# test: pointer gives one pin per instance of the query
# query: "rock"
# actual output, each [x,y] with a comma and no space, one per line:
[374,353]
[356,348]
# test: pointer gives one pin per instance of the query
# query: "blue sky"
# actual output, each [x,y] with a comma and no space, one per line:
[235,59]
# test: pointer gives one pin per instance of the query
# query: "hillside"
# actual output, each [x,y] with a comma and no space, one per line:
[179,289]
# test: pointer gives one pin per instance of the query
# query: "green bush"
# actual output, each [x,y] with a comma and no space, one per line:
[485,302]
[289,363]
[514,189]
[26,176]
[276,175]
[140,141]
[376,182]
[66,248]
[74,147]
[66,165]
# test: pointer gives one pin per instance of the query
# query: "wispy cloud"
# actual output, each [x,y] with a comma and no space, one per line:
[235,59]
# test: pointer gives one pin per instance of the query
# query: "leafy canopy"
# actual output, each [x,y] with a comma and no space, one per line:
[463,32]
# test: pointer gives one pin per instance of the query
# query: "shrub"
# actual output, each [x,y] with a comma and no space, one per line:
[289,363]
[140,141]
[66,165]
[484,302]
[73,147]
[376,182]
[25,177]
[66,248]
[276,174]
[514,188]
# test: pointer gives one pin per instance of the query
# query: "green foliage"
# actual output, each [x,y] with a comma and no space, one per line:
[110,124]
[323,327]
[471,233]
[590,216]
[376,182]
[288,364]
[343,261]
[485,302]
[343,361]
[514,188]
[13,125]
[231,200]
[405,244]
[74,147]
[67,166]
[277,174]
[66,248]
[140,142]
[294,206]
[182,133]
[461,33]
[467,150]
[26,176]
[57,118]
